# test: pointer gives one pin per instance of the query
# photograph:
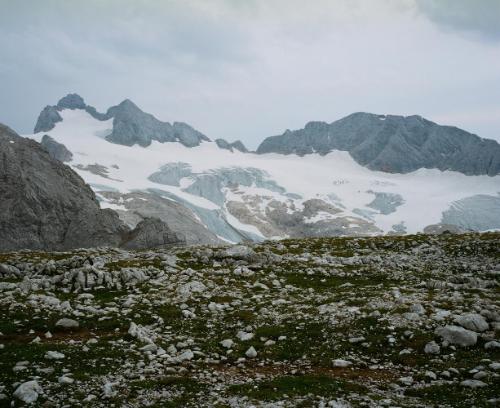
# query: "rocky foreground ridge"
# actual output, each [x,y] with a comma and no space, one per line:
[409,321]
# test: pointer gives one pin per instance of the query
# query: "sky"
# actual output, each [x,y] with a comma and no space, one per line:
[248,69]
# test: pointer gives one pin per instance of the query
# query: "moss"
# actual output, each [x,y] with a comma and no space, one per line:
[294,386]
[456,395]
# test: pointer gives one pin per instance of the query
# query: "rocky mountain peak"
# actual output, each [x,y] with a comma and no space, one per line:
[71,101]
[131,125]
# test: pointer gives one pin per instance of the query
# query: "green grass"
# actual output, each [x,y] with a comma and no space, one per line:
[293,386]
[456,395]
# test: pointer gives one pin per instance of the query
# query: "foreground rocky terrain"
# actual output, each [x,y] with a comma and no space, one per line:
[407,321]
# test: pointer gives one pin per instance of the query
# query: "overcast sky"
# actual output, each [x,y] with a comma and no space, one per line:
[247,69]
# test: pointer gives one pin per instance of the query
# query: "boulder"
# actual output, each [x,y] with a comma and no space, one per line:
[28,392]
[151,233]
[67,323]
[473,321]
[457,335]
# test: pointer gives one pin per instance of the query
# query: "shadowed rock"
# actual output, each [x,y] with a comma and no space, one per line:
[45,205]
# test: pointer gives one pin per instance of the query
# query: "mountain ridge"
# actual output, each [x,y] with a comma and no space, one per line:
[392,143]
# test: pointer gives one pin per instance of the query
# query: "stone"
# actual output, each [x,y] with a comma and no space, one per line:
[54,355]
[339,363]
[457,335]
[190,288]
[251,352]
[472,321]
[228,343]
[492,345]
[67,323]
[244,336]
[186,355]
[108,390]
[28,392]
[417,308]
[473,384]
[432,348]
[65,380]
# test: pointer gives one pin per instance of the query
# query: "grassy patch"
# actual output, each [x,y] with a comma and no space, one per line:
[293,386]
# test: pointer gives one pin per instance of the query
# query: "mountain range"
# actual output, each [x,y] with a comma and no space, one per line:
[364,174]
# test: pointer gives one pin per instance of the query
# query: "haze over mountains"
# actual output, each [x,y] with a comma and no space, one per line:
[364,174]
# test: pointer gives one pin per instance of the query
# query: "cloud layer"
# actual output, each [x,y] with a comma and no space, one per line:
[250,69]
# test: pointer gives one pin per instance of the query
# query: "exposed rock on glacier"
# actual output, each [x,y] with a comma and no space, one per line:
[386,203]
[151,233]
[238,145]
[171,174]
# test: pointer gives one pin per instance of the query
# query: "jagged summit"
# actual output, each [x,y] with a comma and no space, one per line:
[391,143]
[130,124]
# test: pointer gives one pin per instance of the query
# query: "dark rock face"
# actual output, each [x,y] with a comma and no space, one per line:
[133,126]
[56,150]
[45,205]
[394,144]
[151,233]
[238,145]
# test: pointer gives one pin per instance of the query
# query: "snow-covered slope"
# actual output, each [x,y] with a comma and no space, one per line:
[241,196]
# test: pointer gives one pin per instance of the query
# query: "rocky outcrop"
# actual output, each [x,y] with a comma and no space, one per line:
[45,205]
[238,145]
[56,150]
[394,144]
[151,233]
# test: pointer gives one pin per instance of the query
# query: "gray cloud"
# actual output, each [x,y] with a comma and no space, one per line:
[244,69]
[480,17]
